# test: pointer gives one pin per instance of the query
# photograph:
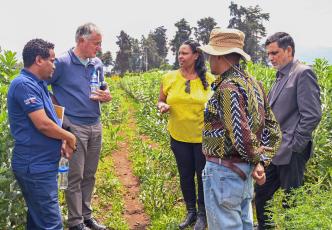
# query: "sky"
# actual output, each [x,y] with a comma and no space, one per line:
[307,21]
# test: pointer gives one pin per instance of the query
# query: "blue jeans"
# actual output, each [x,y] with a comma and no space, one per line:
[40,192]
[227,197]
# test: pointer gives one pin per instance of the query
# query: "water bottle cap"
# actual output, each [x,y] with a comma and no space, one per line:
[63,169]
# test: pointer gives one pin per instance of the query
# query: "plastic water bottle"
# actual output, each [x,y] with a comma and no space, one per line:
[63,173]
[94,85]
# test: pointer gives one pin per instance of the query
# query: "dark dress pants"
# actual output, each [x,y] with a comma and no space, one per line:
[279,176]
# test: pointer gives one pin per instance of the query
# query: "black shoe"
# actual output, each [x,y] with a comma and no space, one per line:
[190,220]
[93,224]
[200,222]
[80,226]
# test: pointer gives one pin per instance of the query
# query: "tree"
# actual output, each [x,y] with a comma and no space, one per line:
[203,29]
[160,38]
[136,56]
[250,21]
[106,58]
[124,53]
[182,34]
[150,56]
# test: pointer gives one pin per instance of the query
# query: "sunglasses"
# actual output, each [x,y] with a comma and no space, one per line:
[187,89]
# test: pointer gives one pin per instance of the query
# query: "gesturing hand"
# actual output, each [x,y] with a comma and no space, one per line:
[163,107]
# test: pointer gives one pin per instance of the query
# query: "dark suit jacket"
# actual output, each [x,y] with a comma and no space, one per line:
[297,107]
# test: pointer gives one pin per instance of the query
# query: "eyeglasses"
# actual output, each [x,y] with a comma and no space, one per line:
[187,89]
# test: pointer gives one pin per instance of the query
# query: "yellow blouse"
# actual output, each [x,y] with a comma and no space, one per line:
[186,114]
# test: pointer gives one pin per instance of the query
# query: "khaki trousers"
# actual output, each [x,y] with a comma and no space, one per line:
[82,170]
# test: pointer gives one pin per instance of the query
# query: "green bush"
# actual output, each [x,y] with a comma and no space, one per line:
[12,212]
[145,89]
[310,206]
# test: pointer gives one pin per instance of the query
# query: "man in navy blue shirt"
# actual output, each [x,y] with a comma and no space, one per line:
[38,136]
[71,85]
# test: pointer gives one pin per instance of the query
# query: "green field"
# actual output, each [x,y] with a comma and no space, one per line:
[135,97]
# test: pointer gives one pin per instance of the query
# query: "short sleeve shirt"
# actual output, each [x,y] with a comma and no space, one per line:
[186,114]
[33,151]
[71,87]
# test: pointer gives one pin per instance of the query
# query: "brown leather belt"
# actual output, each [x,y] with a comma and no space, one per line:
[229,163]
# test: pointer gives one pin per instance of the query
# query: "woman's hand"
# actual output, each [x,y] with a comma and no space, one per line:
[163,107]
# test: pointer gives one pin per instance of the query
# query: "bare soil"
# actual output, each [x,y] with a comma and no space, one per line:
[134,213]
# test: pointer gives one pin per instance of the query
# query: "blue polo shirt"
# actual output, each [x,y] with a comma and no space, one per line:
[71,87]
[33,151]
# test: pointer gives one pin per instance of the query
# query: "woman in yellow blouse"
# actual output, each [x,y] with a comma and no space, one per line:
[183,93]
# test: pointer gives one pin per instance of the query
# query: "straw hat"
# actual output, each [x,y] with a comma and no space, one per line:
[225,41]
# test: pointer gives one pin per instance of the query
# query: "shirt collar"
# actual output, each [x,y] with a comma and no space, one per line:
[285,70]
[27,73]
[231,72]
[77,61]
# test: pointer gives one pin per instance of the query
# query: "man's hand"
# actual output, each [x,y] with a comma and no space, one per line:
[163,107]
[71,141]
[262,149]
[101,95]
[259,174]
[66,151]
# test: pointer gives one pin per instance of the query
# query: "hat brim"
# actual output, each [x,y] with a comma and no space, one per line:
[220,51]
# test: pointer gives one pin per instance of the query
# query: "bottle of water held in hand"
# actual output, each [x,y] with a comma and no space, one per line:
[94,83]
[63,173]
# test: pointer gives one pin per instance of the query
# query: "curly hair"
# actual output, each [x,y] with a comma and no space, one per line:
[200,67]
[36,47]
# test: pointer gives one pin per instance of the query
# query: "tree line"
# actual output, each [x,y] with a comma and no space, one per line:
[149,52]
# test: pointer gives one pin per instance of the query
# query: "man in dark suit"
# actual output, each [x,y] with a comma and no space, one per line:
[295,101]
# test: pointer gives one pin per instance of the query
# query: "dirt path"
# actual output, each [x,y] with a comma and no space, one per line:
[134,211]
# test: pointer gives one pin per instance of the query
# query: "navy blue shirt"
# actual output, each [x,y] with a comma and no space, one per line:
[71,87]
[33,151]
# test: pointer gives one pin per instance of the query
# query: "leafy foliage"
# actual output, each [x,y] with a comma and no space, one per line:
[250,22]
[155,166]
[106,58]
[159,36]
[310,206]
[11,200]
[313,200]
[203,29]
[124,53]
[182,34]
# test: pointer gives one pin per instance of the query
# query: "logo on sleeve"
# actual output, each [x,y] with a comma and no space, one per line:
[30,100]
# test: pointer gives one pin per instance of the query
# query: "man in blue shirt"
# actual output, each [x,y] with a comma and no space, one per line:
[38,136]
[71,81]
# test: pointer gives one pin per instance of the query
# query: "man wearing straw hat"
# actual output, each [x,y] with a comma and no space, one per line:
[240,134]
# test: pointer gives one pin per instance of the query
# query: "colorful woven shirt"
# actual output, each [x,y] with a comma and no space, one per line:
[238,120]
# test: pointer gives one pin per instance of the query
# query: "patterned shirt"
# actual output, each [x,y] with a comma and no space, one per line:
[238,120]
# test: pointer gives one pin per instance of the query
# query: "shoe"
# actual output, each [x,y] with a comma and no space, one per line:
[93,224]
[189,220]
[201,223]
[80,226]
